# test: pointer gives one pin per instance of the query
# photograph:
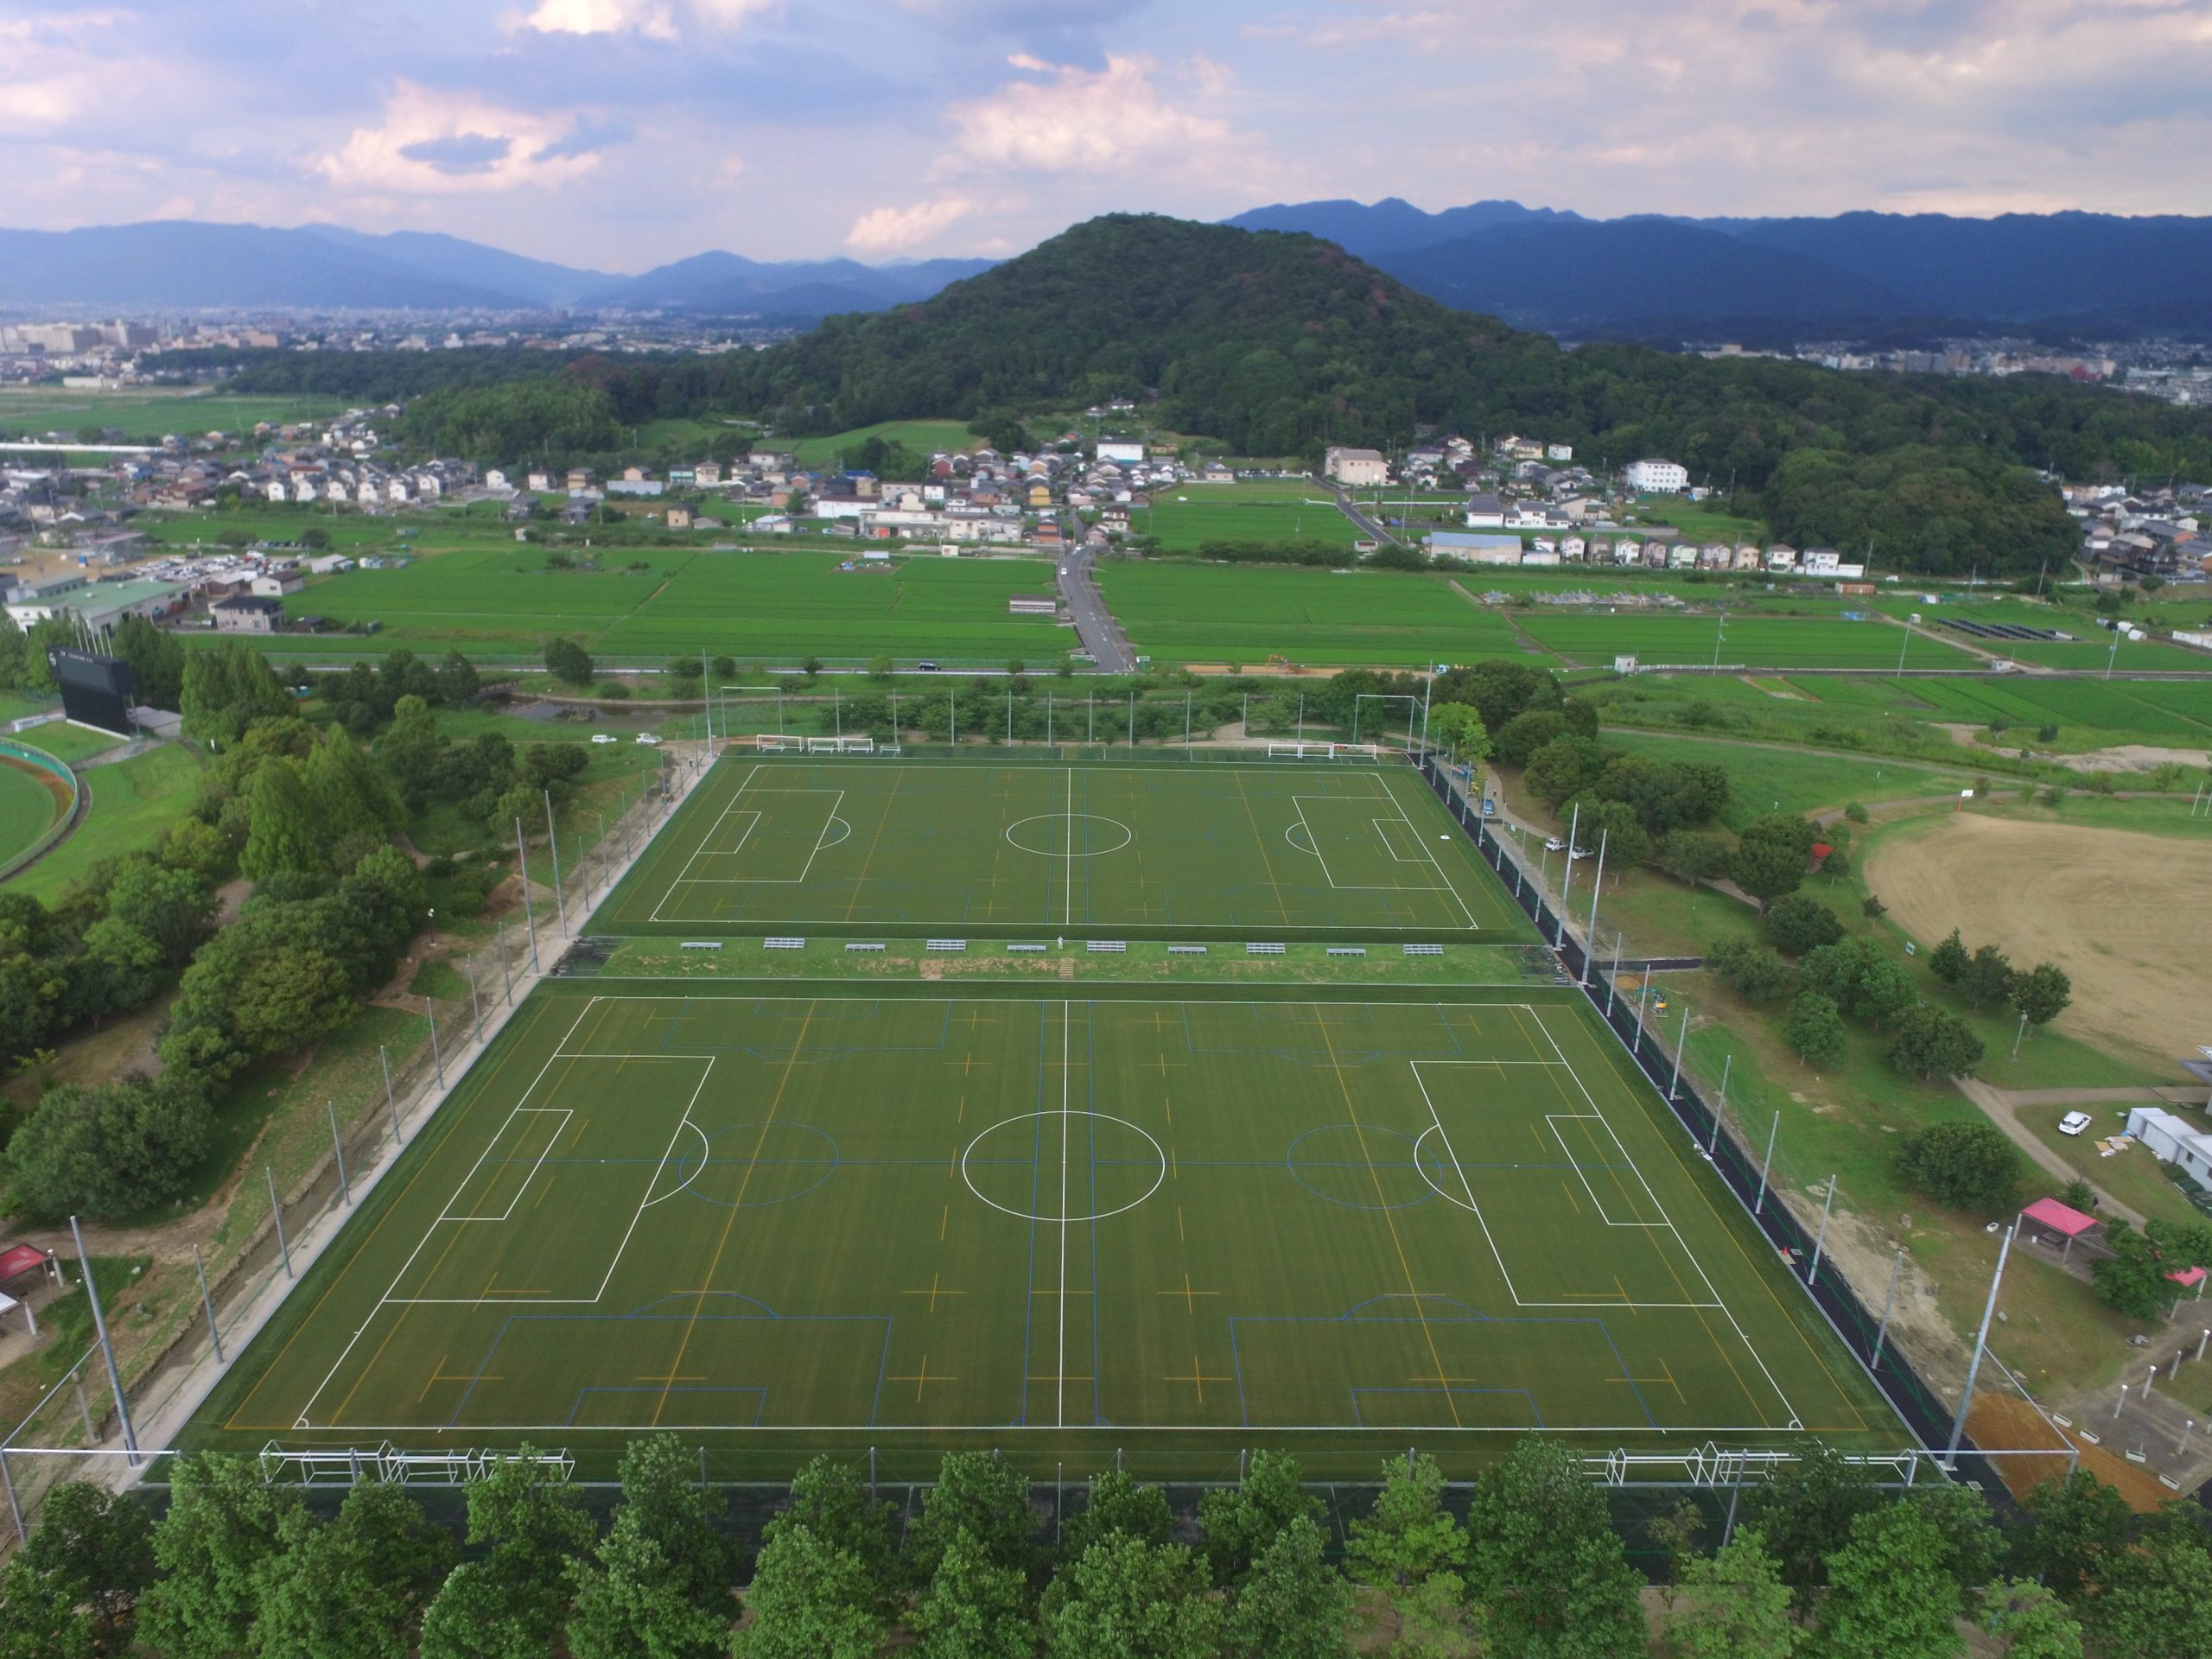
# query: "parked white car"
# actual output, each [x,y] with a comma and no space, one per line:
[2072,1122]
[648,738]
[605,737]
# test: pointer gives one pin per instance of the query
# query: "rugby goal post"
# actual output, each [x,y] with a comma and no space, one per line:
[1324,752]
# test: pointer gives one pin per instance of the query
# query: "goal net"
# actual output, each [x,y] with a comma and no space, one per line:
[1324,752]
[780,743]
[840,745]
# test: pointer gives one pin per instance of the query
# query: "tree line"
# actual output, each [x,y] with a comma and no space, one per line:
[308,815]
[1822,1563]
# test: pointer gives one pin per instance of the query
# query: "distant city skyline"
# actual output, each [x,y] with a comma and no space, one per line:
[621,134]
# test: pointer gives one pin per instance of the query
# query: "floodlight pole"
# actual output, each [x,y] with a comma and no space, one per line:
[1643,992]
[708,686]
[1612,983]
[1759,1203]
[391,1101]
[553,845]
[107,1348]
[530,919]
[338,1150]
[1567,878]
[1682,1042]
[1596,887]
[431,1012]
[1980,1342]
[601,844]
[214,1337]
[1881,1334]
[1727,1064]
[1820,1238]
[475,1003]
[276,1211]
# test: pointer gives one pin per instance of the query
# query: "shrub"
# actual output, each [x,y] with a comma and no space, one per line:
[1968,1166]
[1798,924]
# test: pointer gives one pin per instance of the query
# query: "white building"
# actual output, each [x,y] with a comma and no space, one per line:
[1657,477]
[2173,1140]
[1357,468]
[1120,450]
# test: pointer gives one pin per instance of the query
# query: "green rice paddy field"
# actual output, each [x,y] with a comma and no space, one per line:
[775,607]
[1290,511]
[145,416]
[1059,1221]
[1175,613]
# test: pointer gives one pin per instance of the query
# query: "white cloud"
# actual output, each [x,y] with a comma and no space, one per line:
[659,20]
[1079,120]
[434,144]
[895,230]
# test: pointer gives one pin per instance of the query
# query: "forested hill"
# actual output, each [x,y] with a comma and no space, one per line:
[1274,344]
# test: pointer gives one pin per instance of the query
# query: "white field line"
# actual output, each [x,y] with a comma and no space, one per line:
[1060,1378]
[1727,1313]
[561,1112]
[685,874]
[1552,1121]
[820,841]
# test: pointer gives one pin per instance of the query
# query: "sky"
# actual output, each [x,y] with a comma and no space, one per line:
[621,134]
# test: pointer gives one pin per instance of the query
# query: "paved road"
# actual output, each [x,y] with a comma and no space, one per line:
[1366,525]
[1095,625]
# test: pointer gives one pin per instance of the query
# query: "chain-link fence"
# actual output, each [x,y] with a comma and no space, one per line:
[318,1155]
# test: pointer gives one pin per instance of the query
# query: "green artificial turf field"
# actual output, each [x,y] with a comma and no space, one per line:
[787,843]
[779,1222]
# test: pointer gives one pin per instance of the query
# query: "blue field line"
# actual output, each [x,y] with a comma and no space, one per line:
[512,1320]
[883,1365]
[760,1403]
[1359,1418]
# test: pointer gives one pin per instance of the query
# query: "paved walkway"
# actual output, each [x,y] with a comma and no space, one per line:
[2002,1109]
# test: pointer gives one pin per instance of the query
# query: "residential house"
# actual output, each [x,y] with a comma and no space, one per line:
[247,615]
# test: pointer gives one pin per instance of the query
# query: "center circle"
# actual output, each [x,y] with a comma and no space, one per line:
[1023,1165]
[1070,835]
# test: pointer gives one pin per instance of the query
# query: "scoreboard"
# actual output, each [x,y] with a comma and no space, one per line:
[95,691]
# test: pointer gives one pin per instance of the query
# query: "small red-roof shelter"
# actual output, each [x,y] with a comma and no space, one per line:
[2062,1219]
[2187,1277]
[19,1258]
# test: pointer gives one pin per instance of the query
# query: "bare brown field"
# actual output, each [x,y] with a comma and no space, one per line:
[2105,905]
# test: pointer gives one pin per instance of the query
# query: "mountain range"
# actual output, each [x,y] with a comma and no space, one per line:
[1648,277]
[1644,277]
[184,264]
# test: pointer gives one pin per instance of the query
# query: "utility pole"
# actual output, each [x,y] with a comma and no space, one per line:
[1982,1342]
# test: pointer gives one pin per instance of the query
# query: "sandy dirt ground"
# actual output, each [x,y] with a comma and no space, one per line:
[2122,913]
[2119,757]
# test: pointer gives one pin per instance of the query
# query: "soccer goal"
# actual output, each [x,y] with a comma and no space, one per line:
[840,745]
[1324,752]
[780,743]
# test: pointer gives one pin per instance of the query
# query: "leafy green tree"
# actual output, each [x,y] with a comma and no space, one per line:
[288,837]
[110,1150]
[809,1600]
[1889,1596]
[2031,1621]
[1935,1042]
[2132,1278]
[1948,960]
[2155,1601]
[568,662]
[660,1582]
[1770,857]
[1972,1546]
[1519,739]
[1294,1605]
[1800,923]
[1546,1567]
[1815,1030]
[1409,1536]
[973,1608]
[1733,1605]
[1460,728]
[224,1524]
[227,687]
[156,662]
[983,1496]
[1968,1165]
[409,751]
[2078,1523]
[1127,1600]
[1561,768]
[97,1543]
[881,669]
[40,1617]
[15,655]
[1117,1504]
[1988,976]
[2041,993]
[347,793]
[1755,972]
[1804,1513]
[831,1501]
[1240,1522]
[1695,855]
[510,1602]
[355,1587]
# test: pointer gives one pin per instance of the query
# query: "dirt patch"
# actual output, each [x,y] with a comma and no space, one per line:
[2086,898]
[2131,757]
[2004,1421]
